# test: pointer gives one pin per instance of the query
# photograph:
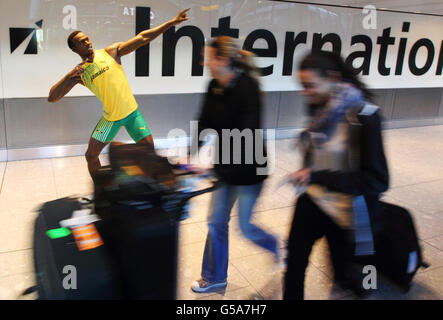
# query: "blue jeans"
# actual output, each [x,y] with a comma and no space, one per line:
[215,258]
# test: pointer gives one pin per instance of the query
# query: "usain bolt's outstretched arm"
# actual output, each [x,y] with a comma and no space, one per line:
[119,49]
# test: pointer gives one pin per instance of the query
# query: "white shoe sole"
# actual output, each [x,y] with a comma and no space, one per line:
[216,286]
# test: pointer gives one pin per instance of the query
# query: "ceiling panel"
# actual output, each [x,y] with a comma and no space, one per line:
[423,6]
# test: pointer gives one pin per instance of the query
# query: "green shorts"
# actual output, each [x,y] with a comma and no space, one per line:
[135,124]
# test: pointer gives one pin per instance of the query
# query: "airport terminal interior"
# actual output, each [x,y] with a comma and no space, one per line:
[416,183]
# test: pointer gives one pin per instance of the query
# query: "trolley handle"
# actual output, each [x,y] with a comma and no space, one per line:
[193,194]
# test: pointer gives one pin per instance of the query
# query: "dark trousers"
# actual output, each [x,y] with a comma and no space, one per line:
[309,224]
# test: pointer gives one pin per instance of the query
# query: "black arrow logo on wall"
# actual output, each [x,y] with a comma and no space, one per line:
[18,35]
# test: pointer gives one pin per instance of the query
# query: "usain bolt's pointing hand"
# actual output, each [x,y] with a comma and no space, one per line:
[181,16]
[119,49]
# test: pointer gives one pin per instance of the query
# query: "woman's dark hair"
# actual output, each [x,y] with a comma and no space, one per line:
[323,62]
[71,36]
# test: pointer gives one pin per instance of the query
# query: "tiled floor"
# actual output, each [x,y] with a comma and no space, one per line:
[415,157]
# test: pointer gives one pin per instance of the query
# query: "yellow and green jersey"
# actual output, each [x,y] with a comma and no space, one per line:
[107,80]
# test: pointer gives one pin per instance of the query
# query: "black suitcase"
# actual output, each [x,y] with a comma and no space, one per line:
[95,271]
[143,240]
[140,230]
[139,203]
[138,258]
[398,253]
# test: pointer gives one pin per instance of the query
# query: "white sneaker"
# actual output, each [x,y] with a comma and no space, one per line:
[202,286]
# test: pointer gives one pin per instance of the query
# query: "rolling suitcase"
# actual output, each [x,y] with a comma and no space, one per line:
[398,252]
[141,205]
[143,240]
[63,271]
[138,228]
